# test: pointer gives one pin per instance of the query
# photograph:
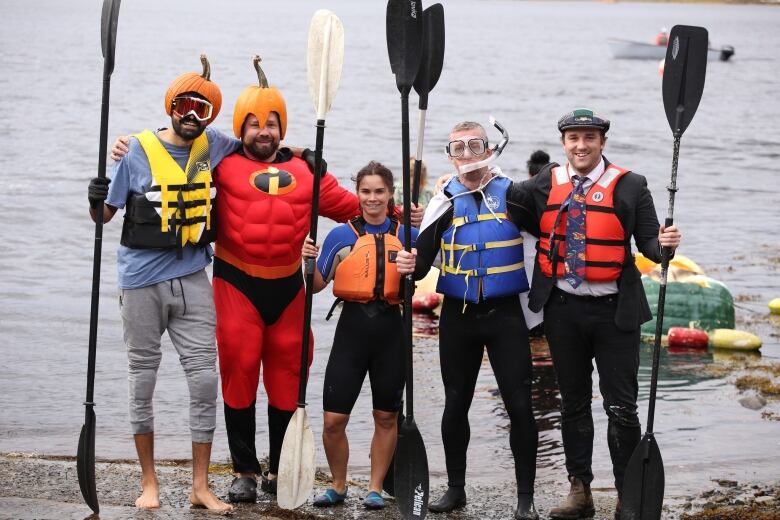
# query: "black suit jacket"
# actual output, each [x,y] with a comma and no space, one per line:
[636,212]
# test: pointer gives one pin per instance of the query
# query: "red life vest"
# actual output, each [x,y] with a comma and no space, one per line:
[369,271]
[605,239]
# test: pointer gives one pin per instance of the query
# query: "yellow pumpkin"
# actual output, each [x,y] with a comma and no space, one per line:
[198,83]
[259,101]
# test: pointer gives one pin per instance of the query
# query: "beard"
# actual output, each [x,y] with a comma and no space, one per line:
[262,149]
[186,132]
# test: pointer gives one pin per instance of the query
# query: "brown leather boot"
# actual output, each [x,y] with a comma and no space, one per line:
[579,503]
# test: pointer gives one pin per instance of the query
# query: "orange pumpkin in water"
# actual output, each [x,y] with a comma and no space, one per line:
[200,84]
[259,101]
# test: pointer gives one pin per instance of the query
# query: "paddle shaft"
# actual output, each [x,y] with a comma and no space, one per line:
[310,265]
[666,254]
[408,280]
[418,156]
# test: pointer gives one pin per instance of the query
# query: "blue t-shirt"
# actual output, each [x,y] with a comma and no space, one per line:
[340,241]
[132,174]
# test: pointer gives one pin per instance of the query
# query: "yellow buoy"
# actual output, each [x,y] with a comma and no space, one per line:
[774,306]
[734,339]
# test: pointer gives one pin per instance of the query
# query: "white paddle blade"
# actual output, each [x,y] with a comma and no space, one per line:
[324,58]
[296,463]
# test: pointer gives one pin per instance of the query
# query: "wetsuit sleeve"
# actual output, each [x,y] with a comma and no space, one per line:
[646,227]
[401,235]
[220,145]
[428,243]
[336,203]
[338,242]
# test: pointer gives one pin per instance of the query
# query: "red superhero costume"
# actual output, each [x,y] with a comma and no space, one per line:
[263,215]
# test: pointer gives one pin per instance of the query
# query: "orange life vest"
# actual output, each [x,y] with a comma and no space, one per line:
[369,271]
[605,239]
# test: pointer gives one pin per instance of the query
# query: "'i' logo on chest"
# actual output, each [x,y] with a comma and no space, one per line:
[273,181]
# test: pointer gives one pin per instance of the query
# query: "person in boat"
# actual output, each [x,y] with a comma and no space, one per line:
[425,193]
[161,268]
[662,38]
[587,211]
[369,334]
[472,224]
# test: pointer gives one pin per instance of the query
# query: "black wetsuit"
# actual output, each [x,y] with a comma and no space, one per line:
[497,324]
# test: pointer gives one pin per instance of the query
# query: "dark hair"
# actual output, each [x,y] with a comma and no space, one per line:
[377,168]
[537,160]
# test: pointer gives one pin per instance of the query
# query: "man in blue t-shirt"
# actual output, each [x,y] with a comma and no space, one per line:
[164,184]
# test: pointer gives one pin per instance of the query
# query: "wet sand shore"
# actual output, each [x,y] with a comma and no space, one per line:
[34,487]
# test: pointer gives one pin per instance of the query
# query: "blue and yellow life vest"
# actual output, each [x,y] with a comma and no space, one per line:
[481,251]
[178,207]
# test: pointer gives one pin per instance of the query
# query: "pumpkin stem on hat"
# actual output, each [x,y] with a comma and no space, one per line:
[206,67]
[261,78]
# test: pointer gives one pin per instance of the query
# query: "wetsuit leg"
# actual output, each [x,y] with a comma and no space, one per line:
[510,358]
[460,356]
[387,365]
[191,329]
[240,333]
[348,361]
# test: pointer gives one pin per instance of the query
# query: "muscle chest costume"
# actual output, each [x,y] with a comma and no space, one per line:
[482,251]
[177,208]
[605,239]
[264,210]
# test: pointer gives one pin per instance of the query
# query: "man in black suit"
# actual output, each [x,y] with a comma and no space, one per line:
[592,296]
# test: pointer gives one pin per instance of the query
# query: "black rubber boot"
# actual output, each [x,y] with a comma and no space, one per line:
[454,498]
[268,484]
[243,489]
[525,507]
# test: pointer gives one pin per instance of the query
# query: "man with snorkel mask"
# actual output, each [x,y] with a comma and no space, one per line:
[472,225]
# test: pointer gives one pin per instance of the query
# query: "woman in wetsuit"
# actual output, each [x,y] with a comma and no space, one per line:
[360,257]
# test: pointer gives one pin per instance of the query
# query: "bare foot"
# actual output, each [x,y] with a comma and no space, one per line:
[205,498]
[150,495]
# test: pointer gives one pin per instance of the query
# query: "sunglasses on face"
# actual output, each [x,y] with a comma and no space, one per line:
[183,106]
[476,145]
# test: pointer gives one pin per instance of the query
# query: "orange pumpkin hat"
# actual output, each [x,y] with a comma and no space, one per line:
[259,101]
[198,83]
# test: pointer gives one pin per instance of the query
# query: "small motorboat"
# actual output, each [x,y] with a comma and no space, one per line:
[631,50]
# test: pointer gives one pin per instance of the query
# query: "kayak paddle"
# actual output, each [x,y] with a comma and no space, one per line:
[85,457]
[427,76]
[325,58]
[683,84]
[404,47]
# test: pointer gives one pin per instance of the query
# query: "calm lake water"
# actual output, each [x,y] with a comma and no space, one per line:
[523,62]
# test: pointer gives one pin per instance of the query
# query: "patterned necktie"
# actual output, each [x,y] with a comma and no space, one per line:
[574,262]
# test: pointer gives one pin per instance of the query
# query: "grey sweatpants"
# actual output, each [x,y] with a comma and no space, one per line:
[185,308]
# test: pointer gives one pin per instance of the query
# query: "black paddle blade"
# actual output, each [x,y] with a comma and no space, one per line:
[643,485]
[388,484]
[404,40]
[411,472]
[432,53]
[684,71]
[108,25]
[85,462]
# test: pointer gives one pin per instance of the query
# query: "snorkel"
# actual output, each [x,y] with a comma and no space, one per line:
[497,149]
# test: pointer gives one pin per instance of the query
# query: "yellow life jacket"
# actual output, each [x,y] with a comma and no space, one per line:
[178,207]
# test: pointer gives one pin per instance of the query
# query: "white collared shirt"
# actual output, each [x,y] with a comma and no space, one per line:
[587,288]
